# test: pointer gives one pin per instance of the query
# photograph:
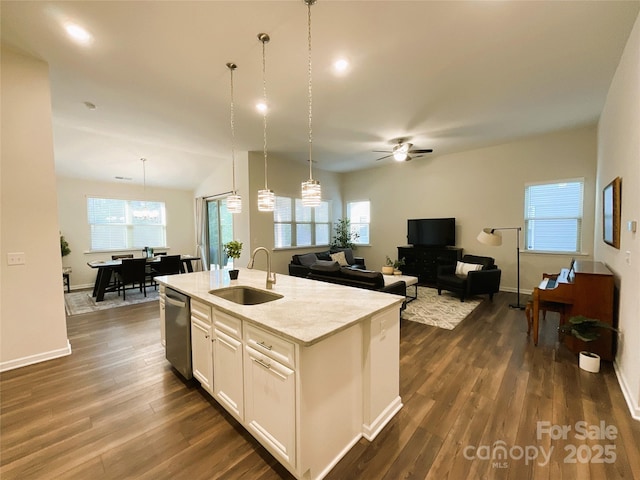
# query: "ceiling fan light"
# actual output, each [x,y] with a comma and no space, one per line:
[311,193]
[399,156]
[266,200]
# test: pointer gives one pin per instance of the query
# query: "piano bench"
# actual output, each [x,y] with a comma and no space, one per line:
[544,307]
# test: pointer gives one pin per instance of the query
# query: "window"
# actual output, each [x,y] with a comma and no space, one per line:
[553,216]
[359,219]
[297,225]
[125,224]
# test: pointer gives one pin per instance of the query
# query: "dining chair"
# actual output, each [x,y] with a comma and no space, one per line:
[132,272]
[168,265]
[114,283]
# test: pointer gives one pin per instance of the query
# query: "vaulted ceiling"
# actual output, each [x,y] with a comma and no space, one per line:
[448,75]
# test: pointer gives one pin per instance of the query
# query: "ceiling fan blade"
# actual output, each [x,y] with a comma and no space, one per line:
[382,158]
[427,150]
[382,151]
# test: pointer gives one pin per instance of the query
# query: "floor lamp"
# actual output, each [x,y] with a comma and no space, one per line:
[492,236]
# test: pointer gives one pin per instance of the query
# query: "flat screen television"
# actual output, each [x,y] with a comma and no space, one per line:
[432,232]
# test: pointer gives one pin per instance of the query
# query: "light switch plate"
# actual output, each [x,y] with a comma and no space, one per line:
[16,258]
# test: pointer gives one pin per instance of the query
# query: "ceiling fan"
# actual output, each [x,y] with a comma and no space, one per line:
[403,152]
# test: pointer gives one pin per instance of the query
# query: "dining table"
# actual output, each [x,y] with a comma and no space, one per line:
[106,269]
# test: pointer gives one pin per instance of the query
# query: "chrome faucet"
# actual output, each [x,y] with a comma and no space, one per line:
[270,281]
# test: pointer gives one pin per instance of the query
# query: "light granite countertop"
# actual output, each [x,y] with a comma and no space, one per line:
[308,312]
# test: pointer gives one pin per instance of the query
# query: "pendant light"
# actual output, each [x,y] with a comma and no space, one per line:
[311,191]
[266,197]
[234,201]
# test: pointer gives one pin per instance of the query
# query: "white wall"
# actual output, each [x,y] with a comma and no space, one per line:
[72,211]
[480,188]
[32,318]
[619,156]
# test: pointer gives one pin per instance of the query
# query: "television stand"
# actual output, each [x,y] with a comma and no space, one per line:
[422,262]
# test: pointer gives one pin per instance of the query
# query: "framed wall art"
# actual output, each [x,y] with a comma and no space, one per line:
[611,199]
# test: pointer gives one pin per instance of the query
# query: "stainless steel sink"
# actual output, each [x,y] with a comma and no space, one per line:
[245,295]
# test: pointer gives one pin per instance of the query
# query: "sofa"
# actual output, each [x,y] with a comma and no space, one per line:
[473,275]
[300,264]
[332,272]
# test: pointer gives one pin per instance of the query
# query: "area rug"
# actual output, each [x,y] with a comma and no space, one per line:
[442,311]
[76,303]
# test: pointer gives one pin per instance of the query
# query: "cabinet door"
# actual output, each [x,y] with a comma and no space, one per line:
[270,404]
[228,379]
[201,353]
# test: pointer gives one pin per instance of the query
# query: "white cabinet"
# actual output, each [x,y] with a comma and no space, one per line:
[270,393]
[201,355]
[228,376]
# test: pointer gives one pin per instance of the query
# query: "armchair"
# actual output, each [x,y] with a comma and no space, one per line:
[464,279]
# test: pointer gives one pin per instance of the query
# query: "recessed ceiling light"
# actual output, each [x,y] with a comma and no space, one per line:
[78,34]
[341,65]
[261,107]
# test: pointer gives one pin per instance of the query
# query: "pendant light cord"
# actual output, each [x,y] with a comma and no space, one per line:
[232,67]
[310,96]
[264,40]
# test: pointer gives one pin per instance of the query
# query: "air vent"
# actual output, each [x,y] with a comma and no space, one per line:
[128,179]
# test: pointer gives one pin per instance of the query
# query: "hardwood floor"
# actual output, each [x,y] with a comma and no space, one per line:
[114,409]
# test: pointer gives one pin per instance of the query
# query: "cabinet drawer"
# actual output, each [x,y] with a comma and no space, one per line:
[226,323]
[201,311]
[268,344]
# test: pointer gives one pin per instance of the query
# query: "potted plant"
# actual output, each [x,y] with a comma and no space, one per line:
[233,249]
[587,330]
[396,266]
[343,237]
[64,246]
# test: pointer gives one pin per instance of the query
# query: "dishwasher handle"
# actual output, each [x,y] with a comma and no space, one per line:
[174,302]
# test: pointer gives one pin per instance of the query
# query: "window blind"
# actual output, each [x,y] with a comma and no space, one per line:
[117,224]
[553,216]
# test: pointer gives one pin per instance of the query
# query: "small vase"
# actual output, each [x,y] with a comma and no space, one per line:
[589,362]
[387,270]
[233,274]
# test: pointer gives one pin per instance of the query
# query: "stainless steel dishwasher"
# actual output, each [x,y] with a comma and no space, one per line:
[178,331]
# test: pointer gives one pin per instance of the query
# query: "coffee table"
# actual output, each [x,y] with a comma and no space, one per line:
[410,281]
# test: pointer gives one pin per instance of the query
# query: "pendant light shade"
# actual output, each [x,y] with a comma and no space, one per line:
[266,197]
[234,201]
[311,190]
[266,200]
[311,193]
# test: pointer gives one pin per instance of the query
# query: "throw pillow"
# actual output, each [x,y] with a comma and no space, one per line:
[307,259]
[340,258]
[464,268]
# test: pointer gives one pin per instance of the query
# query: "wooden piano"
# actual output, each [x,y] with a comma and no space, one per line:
[585,288]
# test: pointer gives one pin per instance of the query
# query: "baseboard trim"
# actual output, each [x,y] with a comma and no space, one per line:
[31,359]
[371,431]
[634,410]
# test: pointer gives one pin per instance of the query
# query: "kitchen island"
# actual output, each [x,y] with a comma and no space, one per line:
[307,374]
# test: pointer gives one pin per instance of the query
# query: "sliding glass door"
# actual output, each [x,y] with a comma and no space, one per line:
[219,230]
